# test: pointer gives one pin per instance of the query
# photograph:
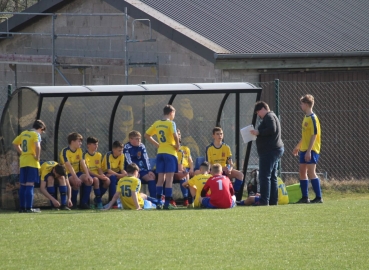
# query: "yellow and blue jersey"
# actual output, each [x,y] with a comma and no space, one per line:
[113,163]
[310,127]
[47,168]
[184,154]
[93,162]
[126,186]
[199,182]
[73,157]
[219,155]
[164,130]
[27,140]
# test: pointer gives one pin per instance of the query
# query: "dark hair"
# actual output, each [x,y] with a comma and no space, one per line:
[205,164]
[39,124]
[168,109]
[216,129]
[92,140]
[74,136]
[60,169]
[261,104]
[117,144]
[131,168]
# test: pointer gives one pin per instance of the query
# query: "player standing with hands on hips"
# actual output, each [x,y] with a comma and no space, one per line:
[270,150]
[309,148]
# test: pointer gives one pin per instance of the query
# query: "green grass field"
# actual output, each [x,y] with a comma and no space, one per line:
[333,235]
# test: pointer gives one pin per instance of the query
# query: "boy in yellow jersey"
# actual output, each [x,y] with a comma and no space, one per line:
[78,174]
[309,148]
[185,169]
[50,172]
[197,183]
[128,190]
[28,145]
[93,161]
[166,159]
[219,152]
[113,164]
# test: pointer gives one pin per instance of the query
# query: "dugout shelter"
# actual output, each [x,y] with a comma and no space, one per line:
[110,112]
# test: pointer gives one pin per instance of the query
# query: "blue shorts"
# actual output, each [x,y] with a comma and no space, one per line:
[143,173]
[206,203]
[29,174]
[78,174]
[166,163]
[314,158]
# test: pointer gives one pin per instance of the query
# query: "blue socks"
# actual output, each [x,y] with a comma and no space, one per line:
[74,196]
[22,197]
[152,188]
[63,195]
[29,196]
[159,193]
[51,191]
[86,194]
[168,196]
[304,185]
[316,187]
[113,186]
[97,195]
[183,189]
[237,184]
[102,191]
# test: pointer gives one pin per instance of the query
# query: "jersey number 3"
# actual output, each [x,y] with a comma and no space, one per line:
[162,136]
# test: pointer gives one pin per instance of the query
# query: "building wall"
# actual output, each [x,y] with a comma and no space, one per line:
[104,56]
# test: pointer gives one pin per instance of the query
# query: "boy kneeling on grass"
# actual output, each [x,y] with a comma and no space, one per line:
[128,190]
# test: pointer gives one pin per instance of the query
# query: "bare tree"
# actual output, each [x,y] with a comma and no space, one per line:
[16,5]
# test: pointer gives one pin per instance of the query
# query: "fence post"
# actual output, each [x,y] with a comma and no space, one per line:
[276,91]
[9,91]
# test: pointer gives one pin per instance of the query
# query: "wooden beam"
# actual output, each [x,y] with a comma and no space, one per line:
[25,59]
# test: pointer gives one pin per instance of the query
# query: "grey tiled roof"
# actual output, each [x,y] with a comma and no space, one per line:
[274,26]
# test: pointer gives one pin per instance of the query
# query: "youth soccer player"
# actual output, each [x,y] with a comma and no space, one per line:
[220,152]
[222,192]
[165,131]
[185,168]
[28,145]
[93,161]
[50,172]
[113,166]
[135,152]
[78,174]
[128,190]
[197,182]
[309,148]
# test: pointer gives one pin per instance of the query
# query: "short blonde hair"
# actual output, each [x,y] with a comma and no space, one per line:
[134,134]
[216,168]
[308,99]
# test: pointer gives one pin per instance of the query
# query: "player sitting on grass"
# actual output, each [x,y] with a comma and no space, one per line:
[72,158]
[112,166]
[219,152]
[196,183]
[93,162]
[128,190]
[135,152]
[185,168]
[50,173]
[222,192]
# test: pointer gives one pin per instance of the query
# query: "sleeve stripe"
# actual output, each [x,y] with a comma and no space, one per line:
[314,124]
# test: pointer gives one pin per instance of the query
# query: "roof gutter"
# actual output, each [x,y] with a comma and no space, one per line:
[290,55]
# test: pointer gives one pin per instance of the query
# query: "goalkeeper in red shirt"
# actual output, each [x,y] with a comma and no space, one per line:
[222,192]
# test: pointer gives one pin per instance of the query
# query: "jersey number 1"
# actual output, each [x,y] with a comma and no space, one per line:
[220,184]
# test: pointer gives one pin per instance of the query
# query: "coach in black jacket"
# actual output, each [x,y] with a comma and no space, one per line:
[270,150]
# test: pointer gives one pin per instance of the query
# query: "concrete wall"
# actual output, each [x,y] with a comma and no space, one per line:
[103,56]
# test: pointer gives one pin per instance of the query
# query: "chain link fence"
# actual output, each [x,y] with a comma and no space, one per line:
[342,111]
